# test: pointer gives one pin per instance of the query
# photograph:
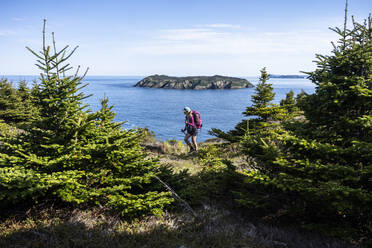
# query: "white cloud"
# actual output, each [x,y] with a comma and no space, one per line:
[192,34]
[194,51]
[7,32]
[220,25]
[18,19]
[198,41]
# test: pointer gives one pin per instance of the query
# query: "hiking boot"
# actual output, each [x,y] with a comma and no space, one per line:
[191,150]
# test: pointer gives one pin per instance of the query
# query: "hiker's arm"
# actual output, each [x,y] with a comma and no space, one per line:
[192,123]
[184,129]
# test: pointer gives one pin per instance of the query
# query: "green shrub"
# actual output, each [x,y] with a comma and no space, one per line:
[148,136]
[214,182]
[16,104]
[210,158]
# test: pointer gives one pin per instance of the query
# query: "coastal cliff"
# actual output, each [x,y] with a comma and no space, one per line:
[195,83]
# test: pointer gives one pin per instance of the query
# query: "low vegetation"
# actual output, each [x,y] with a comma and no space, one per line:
[214,227]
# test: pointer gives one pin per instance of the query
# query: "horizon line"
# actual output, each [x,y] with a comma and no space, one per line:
[117,75]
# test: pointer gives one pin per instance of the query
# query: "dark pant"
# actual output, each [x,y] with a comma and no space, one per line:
[192,130]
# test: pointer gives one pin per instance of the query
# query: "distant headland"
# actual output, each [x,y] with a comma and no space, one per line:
[195,82]
[287,76]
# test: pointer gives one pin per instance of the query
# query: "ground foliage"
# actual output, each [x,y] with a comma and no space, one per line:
[214,227]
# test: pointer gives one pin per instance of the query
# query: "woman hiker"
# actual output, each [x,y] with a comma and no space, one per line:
[191,129]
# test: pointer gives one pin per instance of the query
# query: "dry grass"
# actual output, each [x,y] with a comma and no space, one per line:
[179,164]
[176,154]
[212,227]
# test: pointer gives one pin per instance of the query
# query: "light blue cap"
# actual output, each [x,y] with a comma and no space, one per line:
[187,109]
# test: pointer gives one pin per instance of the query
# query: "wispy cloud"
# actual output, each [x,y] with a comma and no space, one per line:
[203,41]
[18,19]
[7,32]
[200,33]
[191,34]
[220,25]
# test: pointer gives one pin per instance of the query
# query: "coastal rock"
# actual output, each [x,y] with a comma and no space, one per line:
[196,83]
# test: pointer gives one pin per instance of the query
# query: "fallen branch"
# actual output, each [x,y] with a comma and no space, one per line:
[184,203]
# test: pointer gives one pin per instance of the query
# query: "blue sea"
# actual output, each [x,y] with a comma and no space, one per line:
[161,110]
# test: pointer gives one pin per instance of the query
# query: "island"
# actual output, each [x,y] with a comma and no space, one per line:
[194,82]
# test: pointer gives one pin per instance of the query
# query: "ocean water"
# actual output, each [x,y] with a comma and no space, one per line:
[161,110]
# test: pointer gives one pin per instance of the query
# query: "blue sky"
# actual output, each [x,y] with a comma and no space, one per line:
[194,37]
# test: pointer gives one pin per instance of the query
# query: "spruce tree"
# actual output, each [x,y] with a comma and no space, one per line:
[289,103]
[341,107]
[319,170]
[9,102]
[73,155]
[262,113]
[16,104]
[262,99]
